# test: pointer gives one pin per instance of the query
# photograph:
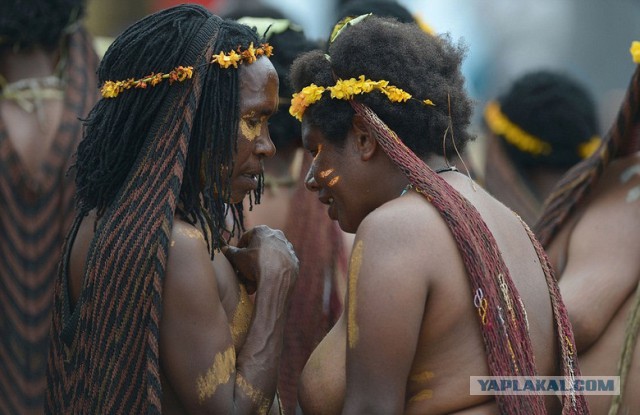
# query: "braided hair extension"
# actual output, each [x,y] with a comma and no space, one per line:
[137,152]
[115,128]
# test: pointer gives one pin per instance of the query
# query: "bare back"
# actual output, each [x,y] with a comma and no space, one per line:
[31,132]
[414,290]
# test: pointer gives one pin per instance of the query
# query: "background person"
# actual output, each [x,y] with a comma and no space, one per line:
[47,82]
[541,126]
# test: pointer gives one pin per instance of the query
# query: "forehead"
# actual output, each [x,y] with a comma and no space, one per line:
[258,86]
[311,136]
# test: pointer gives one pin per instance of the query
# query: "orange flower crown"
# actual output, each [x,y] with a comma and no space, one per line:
[111,89]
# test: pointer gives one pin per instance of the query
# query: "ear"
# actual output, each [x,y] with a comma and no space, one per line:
[362,135]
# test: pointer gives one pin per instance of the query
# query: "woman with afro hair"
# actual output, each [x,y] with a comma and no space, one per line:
[444,281]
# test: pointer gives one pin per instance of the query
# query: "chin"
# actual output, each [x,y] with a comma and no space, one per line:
[237,197]
[346,227]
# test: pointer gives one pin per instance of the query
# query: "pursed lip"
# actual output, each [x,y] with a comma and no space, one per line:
[326,199]
[251,179]
[253,173]
[329,201]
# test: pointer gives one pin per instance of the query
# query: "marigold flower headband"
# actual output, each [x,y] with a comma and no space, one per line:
[500,124]
[346,89]
[111,89]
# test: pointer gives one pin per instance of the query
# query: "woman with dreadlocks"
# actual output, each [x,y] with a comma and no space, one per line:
[590,226]
[441,274]
[47,81]
[287,205]
[144,320]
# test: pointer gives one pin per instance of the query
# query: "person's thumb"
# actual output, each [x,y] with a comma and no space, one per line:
[230,252]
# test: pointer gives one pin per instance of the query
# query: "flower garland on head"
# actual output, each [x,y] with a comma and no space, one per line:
[512,133]
[346,89]
[111,89]
[501,125]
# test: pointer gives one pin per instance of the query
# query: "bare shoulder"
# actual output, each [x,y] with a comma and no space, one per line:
[408,218]
[189,269]
[410,228]
[613,209]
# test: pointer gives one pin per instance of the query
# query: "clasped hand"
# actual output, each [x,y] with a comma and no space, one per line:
[263,255]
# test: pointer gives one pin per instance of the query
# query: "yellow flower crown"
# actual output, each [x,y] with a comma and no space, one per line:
[111,89]
[499,124]
[346,89]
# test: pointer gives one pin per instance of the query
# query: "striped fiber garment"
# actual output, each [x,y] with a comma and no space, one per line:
[315,302]
[104,354]
[35,215]
[507,343]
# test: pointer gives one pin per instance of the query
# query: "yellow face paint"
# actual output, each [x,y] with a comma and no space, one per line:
[249,132]
[224,364]
[423,395]
[241,317]
[326,173]
[254,394]
[422,377]
[334,181]
[354,272]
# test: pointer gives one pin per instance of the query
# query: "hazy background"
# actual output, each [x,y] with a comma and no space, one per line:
[588,39]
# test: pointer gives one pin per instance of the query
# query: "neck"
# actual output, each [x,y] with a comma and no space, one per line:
[436,162]
[33,63]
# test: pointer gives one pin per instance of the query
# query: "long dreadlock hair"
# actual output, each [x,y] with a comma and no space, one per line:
[115,128]
[40,22]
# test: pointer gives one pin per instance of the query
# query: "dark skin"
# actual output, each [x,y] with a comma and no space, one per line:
[595,256]
[30,138]
[219,351]
[409,337]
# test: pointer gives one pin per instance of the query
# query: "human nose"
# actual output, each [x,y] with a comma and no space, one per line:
[310,180]
[265,147]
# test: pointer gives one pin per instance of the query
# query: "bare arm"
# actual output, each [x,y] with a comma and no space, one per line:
[386,297]
[197,352]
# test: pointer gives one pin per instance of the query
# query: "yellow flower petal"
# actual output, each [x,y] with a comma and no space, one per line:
[635,51]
